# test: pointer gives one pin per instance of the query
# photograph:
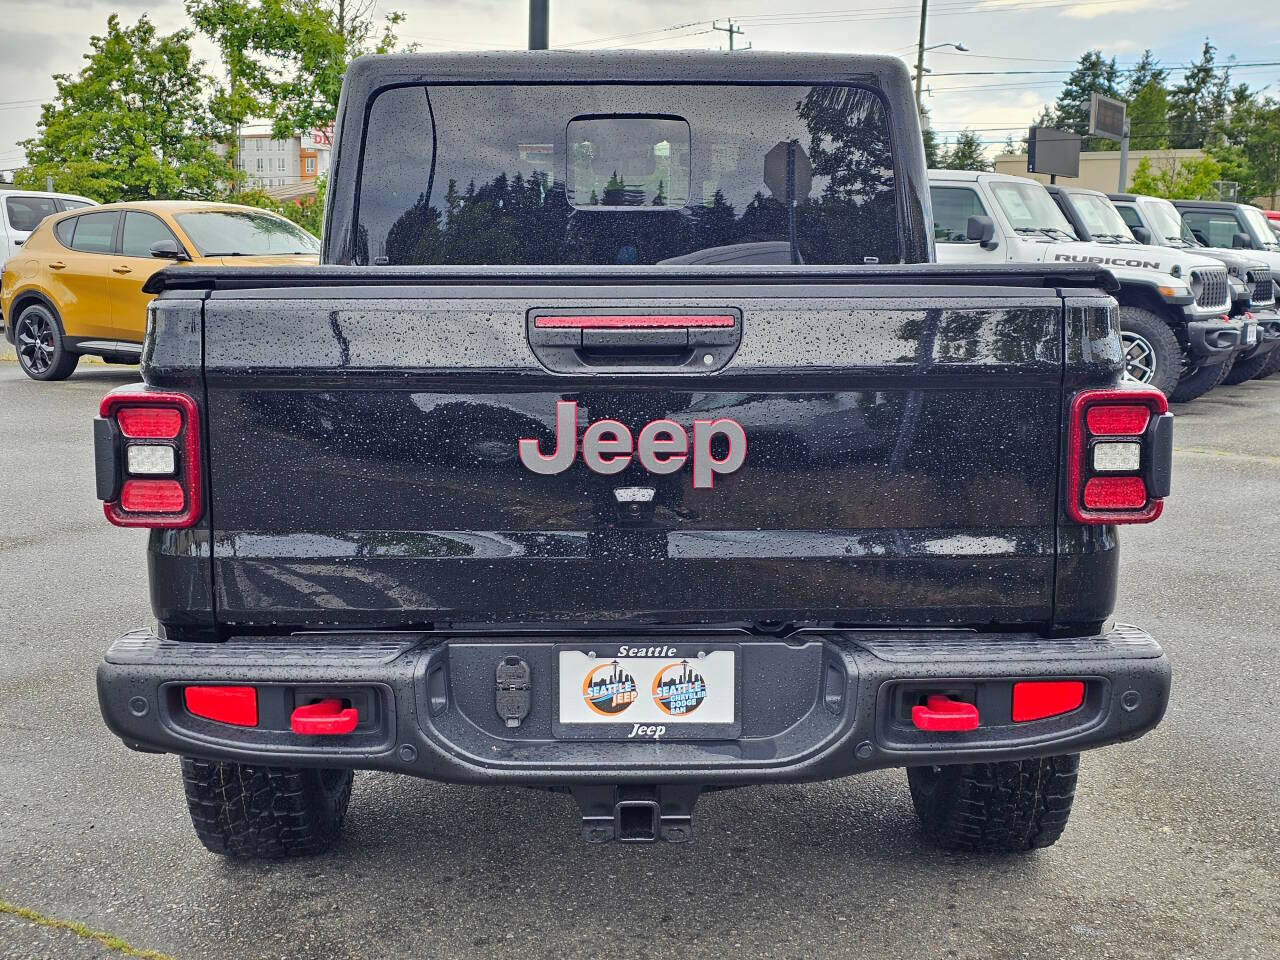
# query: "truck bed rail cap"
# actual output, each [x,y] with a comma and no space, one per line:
[1075,276]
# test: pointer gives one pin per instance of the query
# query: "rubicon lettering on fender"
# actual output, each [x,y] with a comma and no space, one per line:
[663,446]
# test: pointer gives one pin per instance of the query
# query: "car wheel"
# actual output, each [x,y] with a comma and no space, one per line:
[248,811]
[1243,370]
[42,353]
[1006,807]
[1271,366]
[1196,383]
[1151,352]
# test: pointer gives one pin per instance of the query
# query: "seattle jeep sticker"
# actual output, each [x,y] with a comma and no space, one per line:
[609,689]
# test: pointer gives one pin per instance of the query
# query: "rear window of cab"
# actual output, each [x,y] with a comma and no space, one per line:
[625,173]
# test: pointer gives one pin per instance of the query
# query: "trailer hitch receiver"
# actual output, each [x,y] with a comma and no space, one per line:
[637,813]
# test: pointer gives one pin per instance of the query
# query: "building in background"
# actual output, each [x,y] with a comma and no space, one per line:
[276,164]
[1099,169]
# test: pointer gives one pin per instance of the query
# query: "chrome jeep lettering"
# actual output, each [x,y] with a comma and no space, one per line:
[566,444]
[663,447]
[606,446]
[647,730]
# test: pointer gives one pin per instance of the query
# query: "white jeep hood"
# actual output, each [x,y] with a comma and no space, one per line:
[1129,258]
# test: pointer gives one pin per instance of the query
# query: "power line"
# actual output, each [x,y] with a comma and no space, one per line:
[842,15]
[1027,73]
[639,33]
[873,15]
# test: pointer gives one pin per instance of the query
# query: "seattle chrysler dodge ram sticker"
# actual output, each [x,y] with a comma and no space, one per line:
[678,689]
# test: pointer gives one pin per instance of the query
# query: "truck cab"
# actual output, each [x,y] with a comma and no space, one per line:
[1173,305]
[1159,222]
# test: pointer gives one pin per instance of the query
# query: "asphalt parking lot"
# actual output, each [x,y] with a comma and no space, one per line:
[1171,852]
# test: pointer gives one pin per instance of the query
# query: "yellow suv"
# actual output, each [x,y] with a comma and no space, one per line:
[75,287]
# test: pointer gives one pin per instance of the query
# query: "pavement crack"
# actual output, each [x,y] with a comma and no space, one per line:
[1226,454]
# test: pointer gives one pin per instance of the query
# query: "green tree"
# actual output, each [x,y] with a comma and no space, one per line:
[1046,119]
[967,154]
[1181,180]
[306,212]
[932,158]
[131,125]
[1198,105]
[1146,70]
[1092,75]
[1149,118]
[285,59]
[1249,149]
[1148,97]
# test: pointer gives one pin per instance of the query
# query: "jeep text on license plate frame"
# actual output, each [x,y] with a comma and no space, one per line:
[647,690]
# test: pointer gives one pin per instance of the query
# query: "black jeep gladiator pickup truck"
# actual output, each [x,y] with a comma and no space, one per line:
[629,444]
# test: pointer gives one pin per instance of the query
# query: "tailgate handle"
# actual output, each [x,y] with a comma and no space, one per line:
[683,341]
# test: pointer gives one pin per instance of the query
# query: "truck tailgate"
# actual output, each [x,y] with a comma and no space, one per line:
[902,459]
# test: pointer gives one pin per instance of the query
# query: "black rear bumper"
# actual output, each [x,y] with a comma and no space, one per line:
[817,705]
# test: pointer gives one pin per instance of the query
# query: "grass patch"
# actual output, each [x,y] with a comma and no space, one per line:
[80,930]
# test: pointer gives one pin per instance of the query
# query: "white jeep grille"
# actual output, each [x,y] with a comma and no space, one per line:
[1210,286]
[1262,292]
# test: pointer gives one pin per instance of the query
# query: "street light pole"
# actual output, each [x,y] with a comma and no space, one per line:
[924,12]
[539,27]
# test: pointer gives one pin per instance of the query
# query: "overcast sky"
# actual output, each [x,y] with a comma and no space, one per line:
[38,39]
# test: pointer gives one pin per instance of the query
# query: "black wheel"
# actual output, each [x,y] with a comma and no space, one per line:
[1243,370]
[1151,351]
[1006,807]
[1198,382]
[247,811]
[1271,366]
[42,353]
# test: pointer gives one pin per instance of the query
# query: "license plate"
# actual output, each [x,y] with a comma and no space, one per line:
[647,691]
[1250,335]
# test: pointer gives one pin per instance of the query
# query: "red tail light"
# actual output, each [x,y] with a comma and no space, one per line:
[147,452]
[1119,455]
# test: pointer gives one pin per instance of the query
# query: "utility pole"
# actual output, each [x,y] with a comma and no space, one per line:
[924,12]
[732,31]
[1124,157]
[539,26]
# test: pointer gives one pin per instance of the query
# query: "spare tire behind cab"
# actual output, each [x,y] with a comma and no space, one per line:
[1151,351]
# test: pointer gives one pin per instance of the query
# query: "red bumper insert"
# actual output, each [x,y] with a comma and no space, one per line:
[943,713]
[1037,699]
[326,718]
[234,705]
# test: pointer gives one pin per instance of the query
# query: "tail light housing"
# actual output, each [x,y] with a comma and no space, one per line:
[1119,455]
[147,458]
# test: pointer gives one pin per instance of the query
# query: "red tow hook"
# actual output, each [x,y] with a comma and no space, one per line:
[942,713]
[323,719]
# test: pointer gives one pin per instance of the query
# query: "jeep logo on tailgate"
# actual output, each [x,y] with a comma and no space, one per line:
[662,447]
